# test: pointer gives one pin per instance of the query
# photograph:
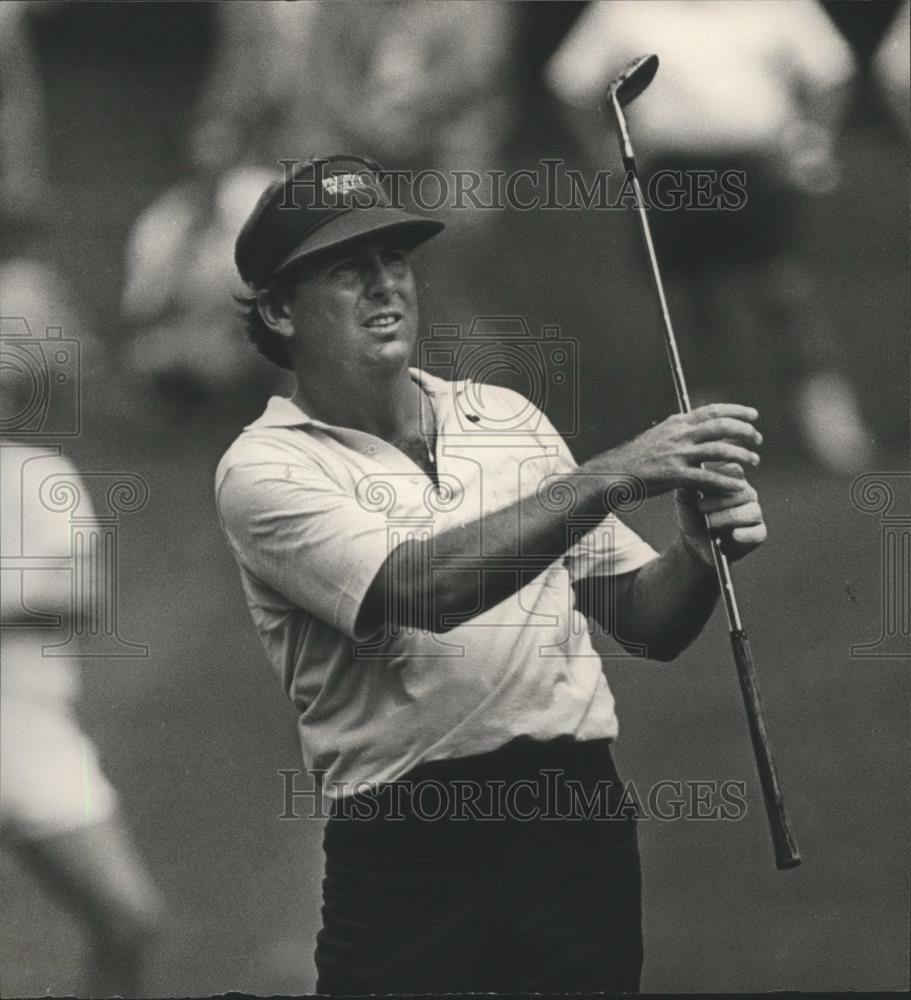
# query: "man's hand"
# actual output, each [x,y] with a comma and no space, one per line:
[670,454]
[737,516]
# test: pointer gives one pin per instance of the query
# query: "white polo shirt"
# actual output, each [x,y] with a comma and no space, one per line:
[311,512]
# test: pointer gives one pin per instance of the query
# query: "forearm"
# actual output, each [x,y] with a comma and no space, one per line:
[467,569]
[668,602]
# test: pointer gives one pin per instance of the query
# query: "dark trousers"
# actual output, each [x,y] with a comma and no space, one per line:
[513,871]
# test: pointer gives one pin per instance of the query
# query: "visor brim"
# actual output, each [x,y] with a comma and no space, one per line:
[358,225]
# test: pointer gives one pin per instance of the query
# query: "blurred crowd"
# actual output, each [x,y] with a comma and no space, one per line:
[456,85]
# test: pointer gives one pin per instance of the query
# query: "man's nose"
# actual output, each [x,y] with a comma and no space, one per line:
[381,280]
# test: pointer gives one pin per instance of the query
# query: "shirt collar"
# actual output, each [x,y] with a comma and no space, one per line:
[284,412]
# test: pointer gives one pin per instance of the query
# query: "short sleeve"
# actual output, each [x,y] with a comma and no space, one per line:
[612,548]
[304,536]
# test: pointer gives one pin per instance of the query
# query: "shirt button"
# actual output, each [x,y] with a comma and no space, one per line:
[371,449]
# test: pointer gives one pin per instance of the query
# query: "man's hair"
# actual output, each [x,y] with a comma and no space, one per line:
[270,344]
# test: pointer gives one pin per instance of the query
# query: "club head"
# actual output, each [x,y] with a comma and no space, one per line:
[633,80]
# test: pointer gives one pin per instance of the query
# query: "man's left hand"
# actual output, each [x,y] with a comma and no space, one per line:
[737,516]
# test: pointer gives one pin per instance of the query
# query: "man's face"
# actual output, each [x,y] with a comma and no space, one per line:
[357,308]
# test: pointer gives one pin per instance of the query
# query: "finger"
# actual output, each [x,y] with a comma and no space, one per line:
[718,411]
[709,482]
[743,516]
[711,504]
[727,428]
[750,537]
[723,451]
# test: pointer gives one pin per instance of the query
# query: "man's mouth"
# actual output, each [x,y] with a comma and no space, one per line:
[386,321]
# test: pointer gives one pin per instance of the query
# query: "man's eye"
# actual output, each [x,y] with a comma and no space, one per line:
[394,257]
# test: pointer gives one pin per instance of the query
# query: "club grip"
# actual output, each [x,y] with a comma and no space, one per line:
[787,854]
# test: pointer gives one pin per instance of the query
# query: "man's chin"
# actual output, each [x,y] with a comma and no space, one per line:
[393,353]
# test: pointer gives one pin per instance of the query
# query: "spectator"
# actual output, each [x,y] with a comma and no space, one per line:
[892,67]
[761,88]
[58,813]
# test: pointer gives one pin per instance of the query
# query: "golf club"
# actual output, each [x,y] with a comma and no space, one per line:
[624,89]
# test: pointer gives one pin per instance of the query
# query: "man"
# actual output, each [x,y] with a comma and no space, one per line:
[419,585]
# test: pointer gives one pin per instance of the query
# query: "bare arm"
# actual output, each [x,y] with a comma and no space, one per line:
[664,605]
[659,608]
[422,583]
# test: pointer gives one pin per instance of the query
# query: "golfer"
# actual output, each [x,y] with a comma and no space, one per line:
[422,559]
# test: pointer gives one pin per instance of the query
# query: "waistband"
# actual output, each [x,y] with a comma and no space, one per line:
[523,781]
[523,756]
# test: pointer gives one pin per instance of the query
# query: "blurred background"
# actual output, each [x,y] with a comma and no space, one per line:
[134,139]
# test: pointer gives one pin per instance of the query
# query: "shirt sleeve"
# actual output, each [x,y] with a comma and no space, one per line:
[610,549]
[304,536]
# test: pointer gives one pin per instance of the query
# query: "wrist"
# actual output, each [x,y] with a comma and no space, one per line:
[609,484]
[697,551]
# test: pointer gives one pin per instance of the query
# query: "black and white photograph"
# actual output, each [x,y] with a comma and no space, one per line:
[455,500]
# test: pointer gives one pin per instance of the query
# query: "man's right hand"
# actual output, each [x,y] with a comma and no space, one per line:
[669,455]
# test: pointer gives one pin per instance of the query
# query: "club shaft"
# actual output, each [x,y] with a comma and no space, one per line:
[722,567]
[784,844]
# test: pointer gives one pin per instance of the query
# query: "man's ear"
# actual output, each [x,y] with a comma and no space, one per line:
[274,312]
